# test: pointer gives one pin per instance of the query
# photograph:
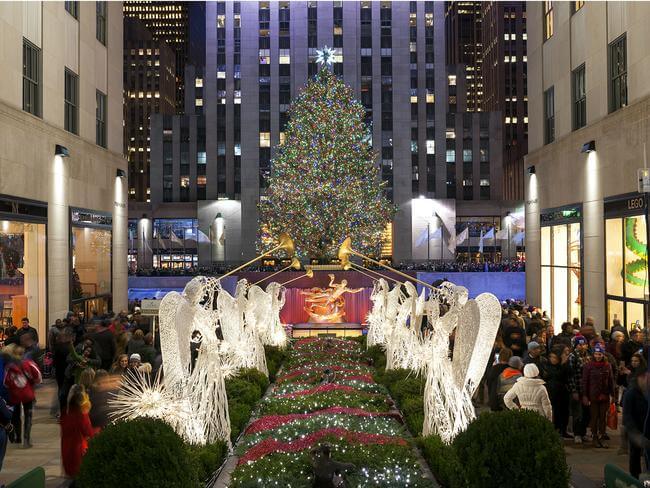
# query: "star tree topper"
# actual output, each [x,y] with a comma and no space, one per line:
[325,56]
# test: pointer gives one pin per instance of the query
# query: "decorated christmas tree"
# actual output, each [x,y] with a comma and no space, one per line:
[324,185]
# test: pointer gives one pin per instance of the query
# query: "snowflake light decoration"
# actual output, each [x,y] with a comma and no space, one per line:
[325,56]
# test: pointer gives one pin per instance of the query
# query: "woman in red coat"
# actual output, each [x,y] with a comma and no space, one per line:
[76,429]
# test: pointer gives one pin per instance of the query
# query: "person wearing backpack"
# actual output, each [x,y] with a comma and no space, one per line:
[20,377]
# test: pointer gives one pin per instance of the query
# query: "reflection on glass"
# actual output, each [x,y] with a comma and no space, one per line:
[559,245]
[635,315]
[91,262]
[575,298]
[614,257]
[546,246]
[574,245]
[560,298]
[546,289]
[614,311]
[636,277]
[22,274]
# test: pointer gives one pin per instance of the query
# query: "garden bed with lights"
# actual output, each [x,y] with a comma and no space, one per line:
[327,395]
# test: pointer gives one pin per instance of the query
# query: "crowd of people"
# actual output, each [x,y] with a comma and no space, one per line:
[579,378]
[88,362]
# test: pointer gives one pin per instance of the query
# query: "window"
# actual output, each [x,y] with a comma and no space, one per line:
[100,119]
[71,108]
[31,78]
[575,6]
[549,116]
[579,98]
[548,19]
[72,7]
[618,74]
[101,22]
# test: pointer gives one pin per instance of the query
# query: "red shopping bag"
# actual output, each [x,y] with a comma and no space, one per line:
[612,417]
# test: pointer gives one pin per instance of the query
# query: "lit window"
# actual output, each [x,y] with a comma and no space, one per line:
[413,47]
[450,134]
[485,182]
[185,181]
[237,149]
[201,180]
[221,75]
[285,56]
[431,98]
[452,80]
[265,139]
[431,146]
[548,19]
[199,102]
[148,191]
[201,157]
[414,99]
[198,83]
[282,137]
[507,120]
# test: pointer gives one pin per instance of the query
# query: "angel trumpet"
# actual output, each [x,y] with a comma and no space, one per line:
[360,269]
[309,274]
[295,264]
[346,250]
[284,242]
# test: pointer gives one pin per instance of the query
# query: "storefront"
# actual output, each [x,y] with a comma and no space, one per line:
[23,262]
[626,261]
[561,263]
[175,243]
[91,250]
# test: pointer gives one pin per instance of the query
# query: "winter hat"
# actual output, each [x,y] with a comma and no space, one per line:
[616,334]
[531,371]
[598,347]
[515,362]
[579,339]
[135,356]
[533,345]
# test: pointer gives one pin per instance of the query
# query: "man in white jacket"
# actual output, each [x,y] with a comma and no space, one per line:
[531,393]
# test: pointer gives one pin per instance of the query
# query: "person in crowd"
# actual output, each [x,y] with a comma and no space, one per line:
[557,384]
[535,326]
[530,392]
[76,429]
[120,366]
[148,351]
[62,346]
[534,356]
[78,329]
[135,361]
[25,328]
[635,344]
[21,375]
[53,333]
[563,338]
[618,327]
[327,472]
[635,412]
[588,330]
[514,338]
[136,343]
[597,391]
[580,412]
[615,345]
[492,378]
[99,396]
[86,379]
[104,342]
[76,363]
[509,377]
[6,427]
[627,378]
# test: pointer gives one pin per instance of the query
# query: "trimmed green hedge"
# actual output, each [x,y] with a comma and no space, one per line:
[274,359]
[138,453]
[514,448]
[208,458]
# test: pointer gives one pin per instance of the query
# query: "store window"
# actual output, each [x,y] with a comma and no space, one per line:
[626,261]
[175,243]
[91,246]
[23,274]
[561,260]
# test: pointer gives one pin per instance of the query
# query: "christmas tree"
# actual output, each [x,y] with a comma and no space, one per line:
[324,185]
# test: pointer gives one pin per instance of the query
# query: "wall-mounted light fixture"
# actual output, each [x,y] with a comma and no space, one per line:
[588,147]
[120,173]
[531,170]
[62,151]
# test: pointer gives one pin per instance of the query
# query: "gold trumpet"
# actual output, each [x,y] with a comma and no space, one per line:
[295,264]
[361,269]
[284,242]
[346,250]
[309,274]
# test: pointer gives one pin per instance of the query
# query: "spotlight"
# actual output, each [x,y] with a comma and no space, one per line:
[531,170]
[120,173]
[588,147]
[62,151]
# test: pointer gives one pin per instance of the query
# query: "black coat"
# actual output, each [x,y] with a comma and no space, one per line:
[515,336]
[492,380]
[635,411]
[557,381]
[104,342]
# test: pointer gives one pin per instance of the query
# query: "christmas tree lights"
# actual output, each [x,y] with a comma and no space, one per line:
[324,184]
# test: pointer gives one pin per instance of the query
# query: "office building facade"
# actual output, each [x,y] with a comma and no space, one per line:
[586,220]
[63,188]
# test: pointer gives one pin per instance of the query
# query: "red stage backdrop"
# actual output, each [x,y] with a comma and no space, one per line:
[357,306]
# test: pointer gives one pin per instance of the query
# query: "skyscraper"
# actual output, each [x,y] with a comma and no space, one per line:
[149,87]
[259,55]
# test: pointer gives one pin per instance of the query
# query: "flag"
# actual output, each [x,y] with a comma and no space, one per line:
[146,243]
[489,234]
[174,238]
[203,237]
[518,238]
[451,245]
[422,238]
[480,243]
[463,236]
[222,237]
[501,234]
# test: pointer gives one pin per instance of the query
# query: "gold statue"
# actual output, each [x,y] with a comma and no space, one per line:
[327,305]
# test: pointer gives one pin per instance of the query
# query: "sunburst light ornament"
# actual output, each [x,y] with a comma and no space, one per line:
[325,56]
